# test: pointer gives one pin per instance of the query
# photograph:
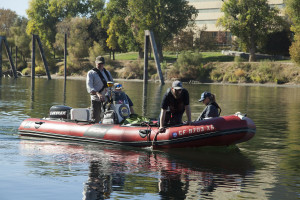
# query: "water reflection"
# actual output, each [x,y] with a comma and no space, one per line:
[144,106]
[112,171]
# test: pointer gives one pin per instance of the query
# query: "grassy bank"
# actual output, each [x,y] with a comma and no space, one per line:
[204,67]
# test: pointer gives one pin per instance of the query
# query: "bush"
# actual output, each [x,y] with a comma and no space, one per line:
[295,49]
[189,67]
[40,71]
[133,70]
[239,59]
[26,71]
[95,51]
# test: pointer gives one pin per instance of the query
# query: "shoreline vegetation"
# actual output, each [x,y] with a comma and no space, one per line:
[197,68]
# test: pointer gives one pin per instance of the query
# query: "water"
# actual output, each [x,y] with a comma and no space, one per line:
[266,167]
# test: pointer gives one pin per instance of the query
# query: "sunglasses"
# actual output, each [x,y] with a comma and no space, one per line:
[178,90]
[119,86]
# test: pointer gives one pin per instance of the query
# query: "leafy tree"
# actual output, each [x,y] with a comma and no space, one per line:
[21,39]
[79,40]
[94,51]
[294,49]
[204,40]
[183,41]
[249,20]
[7,19]
[293,10]
[277,43]
[41,21]
[45,14]
[165,18]
[114,19]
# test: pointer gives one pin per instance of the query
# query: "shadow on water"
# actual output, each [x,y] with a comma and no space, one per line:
[114,170]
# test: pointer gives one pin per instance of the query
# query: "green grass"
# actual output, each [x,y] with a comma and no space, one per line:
[171,57]
[127,56]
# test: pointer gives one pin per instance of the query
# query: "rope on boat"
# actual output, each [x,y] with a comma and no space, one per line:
[152,144]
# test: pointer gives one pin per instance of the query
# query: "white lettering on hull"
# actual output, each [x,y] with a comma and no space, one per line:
[195,130]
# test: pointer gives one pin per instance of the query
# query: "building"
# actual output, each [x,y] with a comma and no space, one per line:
[210,10]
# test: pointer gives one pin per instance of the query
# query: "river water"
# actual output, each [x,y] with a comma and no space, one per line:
[266,167]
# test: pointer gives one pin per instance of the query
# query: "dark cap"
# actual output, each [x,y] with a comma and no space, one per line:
[177,85]
[100,59]
[204,95]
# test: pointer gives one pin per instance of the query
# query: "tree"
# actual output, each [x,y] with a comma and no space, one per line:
[183,41]
[165,18]
[7,19]
[277,43]
[21,39]
[293,10]
[44,15]
[249,20]
[114,19]
[294,49]
[79,40]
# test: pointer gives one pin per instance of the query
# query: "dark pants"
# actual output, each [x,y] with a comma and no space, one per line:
[96,111]
[173,119]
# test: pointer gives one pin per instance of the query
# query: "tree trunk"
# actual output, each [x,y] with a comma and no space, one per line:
[141,53]
[160,52]
[252,57]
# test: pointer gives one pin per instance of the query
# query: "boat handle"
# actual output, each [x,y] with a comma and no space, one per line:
[40,123]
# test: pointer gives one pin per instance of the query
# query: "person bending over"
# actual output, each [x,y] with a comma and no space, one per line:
[175,102]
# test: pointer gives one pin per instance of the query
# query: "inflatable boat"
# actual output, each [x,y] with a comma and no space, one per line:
[75,124]
[219,131]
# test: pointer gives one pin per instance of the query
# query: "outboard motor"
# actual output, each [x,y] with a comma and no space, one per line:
[60,112]
[119,105]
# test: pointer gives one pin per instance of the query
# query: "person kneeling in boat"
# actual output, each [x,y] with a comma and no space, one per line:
[175,101]
[212,109]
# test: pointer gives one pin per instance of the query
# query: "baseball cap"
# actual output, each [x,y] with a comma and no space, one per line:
[118,86]
[204,95]
[100,59]
[177,85]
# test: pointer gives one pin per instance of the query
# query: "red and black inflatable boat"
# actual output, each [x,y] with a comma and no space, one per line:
[219,131]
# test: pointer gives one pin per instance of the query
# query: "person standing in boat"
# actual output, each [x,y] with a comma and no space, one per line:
[212,109]
[175,102]
[96,84]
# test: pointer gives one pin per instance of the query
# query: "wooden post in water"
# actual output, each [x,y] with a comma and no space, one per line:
[12,66]
[1,58]
[16,60]
[146,45]
[33,58]
[36,37]
[65,56]
[150,36]
[43,56]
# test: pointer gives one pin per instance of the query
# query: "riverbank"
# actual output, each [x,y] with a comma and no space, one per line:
[188,82]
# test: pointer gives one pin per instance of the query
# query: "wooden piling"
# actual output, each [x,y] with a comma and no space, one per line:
[150,36]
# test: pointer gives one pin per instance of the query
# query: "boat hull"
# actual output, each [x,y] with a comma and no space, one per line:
[220,131]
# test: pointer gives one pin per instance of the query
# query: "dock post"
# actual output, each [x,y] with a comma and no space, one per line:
[65,56]
[43,56]
[33,58]
[150,36]
[8,52]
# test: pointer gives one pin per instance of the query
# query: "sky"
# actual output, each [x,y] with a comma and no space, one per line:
[19,6]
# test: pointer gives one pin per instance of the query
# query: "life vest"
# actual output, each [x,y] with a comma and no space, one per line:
[119,105]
